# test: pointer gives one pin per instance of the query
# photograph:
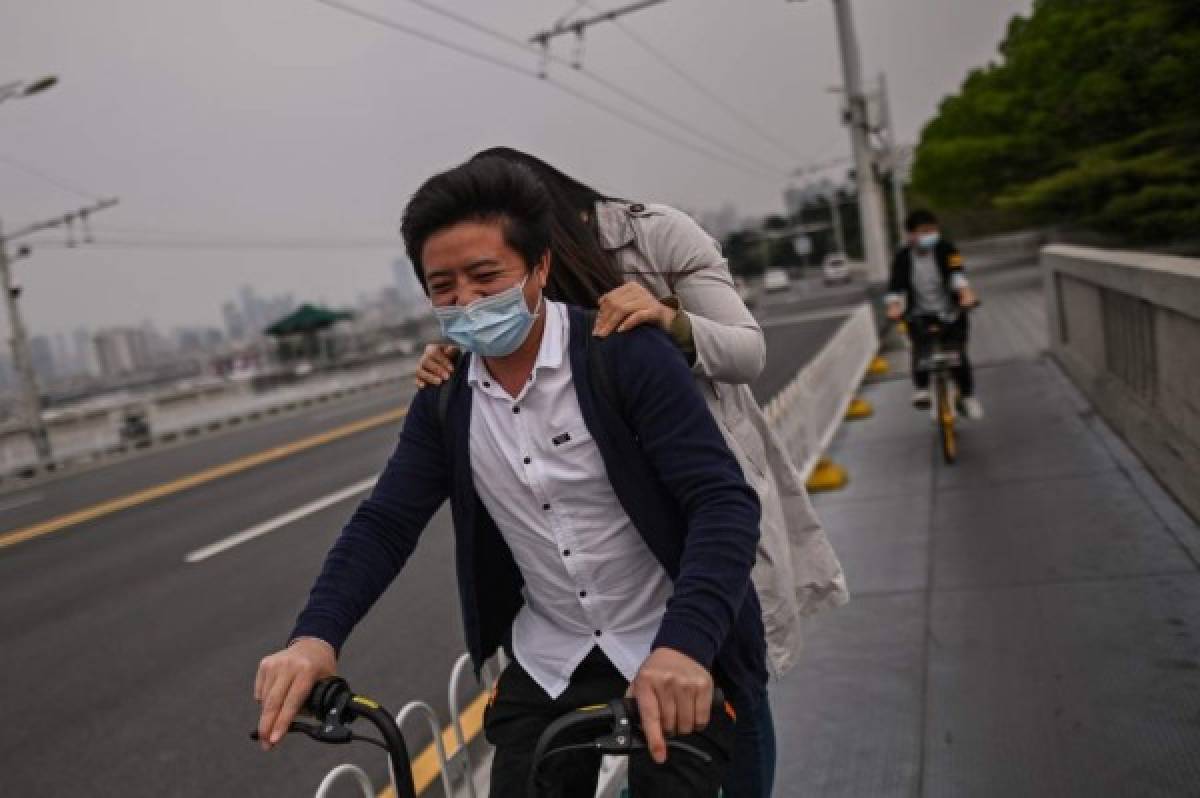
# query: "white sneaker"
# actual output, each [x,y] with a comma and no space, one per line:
[920,398]
[970,407]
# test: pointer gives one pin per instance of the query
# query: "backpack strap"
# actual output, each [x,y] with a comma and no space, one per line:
[601,372]
[446,389]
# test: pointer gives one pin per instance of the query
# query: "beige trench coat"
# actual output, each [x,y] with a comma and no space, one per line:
[796,572]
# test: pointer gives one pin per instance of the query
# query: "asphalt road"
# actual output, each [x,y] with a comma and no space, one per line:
[128,671]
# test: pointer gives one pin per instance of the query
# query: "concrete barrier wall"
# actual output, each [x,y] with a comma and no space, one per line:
[1126,327]
[807,412]
[98,444]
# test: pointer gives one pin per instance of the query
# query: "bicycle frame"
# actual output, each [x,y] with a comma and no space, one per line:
[621,734]
[939,363]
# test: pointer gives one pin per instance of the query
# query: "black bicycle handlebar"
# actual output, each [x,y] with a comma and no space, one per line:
[950,315]
[622,721]
[335,706]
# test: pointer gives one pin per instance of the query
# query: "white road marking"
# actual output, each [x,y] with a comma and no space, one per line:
[21,501]
[266,527]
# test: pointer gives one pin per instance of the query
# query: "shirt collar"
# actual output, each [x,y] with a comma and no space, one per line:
[550,352]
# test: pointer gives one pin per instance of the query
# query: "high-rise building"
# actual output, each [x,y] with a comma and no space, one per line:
[235,322]
[122,350]
[41,353]
[413,301]
[85,353]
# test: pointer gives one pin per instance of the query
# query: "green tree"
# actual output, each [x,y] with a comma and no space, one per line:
[1091,118]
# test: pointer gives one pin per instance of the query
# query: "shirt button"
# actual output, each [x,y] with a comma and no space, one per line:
[597,633]
[516,410]
[487,384]
[583,594]
[545,507]
[527,461]
[566,552]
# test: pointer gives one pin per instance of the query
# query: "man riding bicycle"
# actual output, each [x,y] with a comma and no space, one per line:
[604,531]
[928,282]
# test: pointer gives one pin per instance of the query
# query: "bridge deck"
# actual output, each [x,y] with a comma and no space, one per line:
[1024,622]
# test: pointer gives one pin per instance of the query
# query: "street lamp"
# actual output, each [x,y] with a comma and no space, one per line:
[18,88]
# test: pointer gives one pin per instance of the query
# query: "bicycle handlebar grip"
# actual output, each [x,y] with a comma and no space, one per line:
[631,707]
[325,695]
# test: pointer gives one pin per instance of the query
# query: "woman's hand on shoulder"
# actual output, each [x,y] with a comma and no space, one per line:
[437,364]
[629,306]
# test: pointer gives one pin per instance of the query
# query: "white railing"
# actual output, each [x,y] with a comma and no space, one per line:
[456,770]
[808,411]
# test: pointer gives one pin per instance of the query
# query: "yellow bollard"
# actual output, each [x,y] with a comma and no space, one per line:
[859,409]
[827,475]
[879,366]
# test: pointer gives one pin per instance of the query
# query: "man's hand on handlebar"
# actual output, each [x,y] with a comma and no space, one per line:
[284,681]
[967,298]
[674,697]
[895,311]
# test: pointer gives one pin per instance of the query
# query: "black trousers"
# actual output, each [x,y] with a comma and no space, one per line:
[954,336]
[520,710]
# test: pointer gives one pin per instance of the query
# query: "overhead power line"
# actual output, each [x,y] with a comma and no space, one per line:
[580,25]
[686,77]
[715,147]
[151,238]
[126,243]
[47,177]
[612,86]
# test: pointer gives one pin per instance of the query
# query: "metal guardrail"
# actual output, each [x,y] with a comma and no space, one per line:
[33,473]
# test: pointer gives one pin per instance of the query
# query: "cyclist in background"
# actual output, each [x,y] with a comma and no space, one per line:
[927,280]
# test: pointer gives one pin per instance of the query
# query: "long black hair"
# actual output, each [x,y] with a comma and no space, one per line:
[482,189]
[581,271]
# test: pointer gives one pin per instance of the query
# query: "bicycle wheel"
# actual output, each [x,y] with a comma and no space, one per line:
[945,419]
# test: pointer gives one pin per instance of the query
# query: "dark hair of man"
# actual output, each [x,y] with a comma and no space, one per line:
[917,218]
[481,190]
[582,271]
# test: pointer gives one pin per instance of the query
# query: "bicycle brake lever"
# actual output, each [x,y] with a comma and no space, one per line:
[338,735]
[333,733]
[622,740]
[704,756]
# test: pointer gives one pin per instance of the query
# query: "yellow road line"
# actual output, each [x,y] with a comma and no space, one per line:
[425,767]
[111,506]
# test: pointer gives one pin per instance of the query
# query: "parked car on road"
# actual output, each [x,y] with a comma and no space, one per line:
[776,280]
[835,269]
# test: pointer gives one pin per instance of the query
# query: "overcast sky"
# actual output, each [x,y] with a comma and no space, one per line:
[277,120]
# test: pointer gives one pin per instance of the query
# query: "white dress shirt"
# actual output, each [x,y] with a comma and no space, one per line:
[589,577]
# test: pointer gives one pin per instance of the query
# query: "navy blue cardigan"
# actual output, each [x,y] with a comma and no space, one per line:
[670,469]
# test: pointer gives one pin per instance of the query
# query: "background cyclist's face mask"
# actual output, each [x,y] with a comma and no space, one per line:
[928,240]
[492,326]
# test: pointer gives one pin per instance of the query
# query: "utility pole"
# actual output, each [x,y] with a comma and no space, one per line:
[19,342]
[895,157]
[832,199]
[870,203]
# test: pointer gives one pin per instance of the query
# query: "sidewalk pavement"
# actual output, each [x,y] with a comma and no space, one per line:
[1025,622]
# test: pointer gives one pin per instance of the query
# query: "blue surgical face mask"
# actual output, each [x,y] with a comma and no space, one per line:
[492,326]
[927,240]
